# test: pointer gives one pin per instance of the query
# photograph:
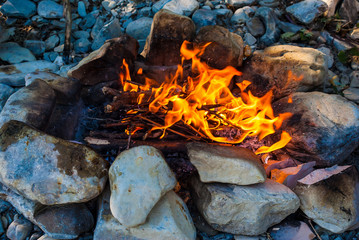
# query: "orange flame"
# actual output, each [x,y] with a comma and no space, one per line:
[206,102]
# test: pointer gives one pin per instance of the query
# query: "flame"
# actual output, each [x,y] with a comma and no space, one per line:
[206,103]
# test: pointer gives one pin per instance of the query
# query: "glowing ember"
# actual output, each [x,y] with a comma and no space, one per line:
[206,103]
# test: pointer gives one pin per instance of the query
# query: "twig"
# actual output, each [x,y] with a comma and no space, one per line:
[67,44]
[129,139]
[316,233]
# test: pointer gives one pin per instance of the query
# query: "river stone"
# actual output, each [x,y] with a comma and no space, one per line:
[248,210]
[18,8]
[78,174]
[32,104]
[50,9]
[255,26]
[11,52]
[37,47]
[169,219]
[19,229]
[308,10]
[269,19]
[269,69]
[139,177]
[14,75]
[204,17]
[159,5]
[140,28]
[108,31]
[241,15]
[226,164]
[223,43]
[5,93]
[241,3]
[167,34]
[105,64]
[329,197]
[324,128]
[182,7]
[352,94]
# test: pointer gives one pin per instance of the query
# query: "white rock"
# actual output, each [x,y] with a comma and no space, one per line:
[355,34]
[12,52]
[182,7]
[139,177]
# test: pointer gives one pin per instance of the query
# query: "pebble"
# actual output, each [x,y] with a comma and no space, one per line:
[182,7]
[12,52]
[5,93]
[241,3]
[81,9]
[255,26]
[82,45]
[19,229]
[108,31]
[355,34]
[241,15]
[50,9]
[249,39]
[81,34]
[139,28]
[204,17]
[308,10]
[50,56]
[352,94]
[354,79]
[18,8]
[108,4]
[328,56]
[37,47]
[51,42]
[159,5]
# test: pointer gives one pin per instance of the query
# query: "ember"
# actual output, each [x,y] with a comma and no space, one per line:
[206,102]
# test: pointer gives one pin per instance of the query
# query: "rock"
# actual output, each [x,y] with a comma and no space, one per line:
[11,52]
[140,28]
[108,31]
[223,16]
[82,45]
[223,43]
[354,79]
[255,26]
[328,56]
[331,7]
[269,69]
[65,222]
[341,45]
[241,15]
[89,21]
[145,12]
[249,39]
[352,94]
[35,46]
[65,88]
[182,7]
[324,127]
[292,230]
[19,229]
[6,33]
[243,237]
[159,5]
[78,174]
[5,93]
[45,237]
[105,64]
[268,17]
[349,11]
[248,210]
[50,56]
[328,196]
[108,4]
[167,34]
[269,3]
[81,9]
[308,10]
[204,17]
[169,219]
[14,75]
[50,9]
[226,164]
[241,3]
[355,34]
[51,42]
[18,8]
[288,27]
[32,105]
[81,34]
[138,172]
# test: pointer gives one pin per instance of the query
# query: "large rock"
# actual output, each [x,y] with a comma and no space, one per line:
[329,197]
[139,28]
[18,8]
[32,104]
[223,43]
[269,69]
[168,32]
[204,17]
[108,31]
[14,75]
[248,210]
[226,164]
[50,9]
[182,7]
[78,174]
[5,93]
[105,64]
[11,52]
[308,10]
[19,229]
[169,219]
[139,177]
[324,128]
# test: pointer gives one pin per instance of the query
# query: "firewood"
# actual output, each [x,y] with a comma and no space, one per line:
[127,100]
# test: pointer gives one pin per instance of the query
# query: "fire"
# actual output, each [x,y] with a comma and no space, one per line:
[206,103]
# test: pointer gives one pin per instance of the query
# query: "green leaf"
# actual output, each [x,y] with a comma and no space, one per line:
[287,36]
[343,57]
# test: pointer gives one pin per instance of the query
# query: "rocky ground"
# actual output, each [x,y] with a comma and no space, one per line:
[32,39]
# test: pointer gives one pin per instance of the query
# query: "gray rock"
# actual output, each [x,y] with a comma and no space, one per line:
[324,127]
[249,39]
[145,12]
[6,33]
[255,26]
[81,34]
[82,45]
[328,196]
[5,93]
[81,9]
[18,8]
[97,27]
[14,75]
[51,42]
[268,17]
[19,229]
[355,34]
[159,5]
[225,164]
[349,11]
[12,52]
[50,9]
[308,10]
[50,56]
[354,79]
[204,17]
[241,15]
[331,7]
[78,174]
[140,28]
[182,7]
[138,172]
[352,94]
[288,27]
[341,45]
[109,4]
[328,56]
[241,3]
[108,31]
[89,21]
[269,3]
[37,47]
[248,210]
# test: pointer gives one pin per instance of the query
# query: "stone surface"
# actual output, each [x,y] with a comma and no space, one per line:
[324,128]
[159,5]
[18,8]
[32,105]
[255,26]
[352,94]
[168,32]
[182,7]
[78,174]
[14,75]
[329,59]
[108,31]
[349,11]
[6,33]
[81,9]
[11,52]
[37,47]
[226,164]
[354,79]
[329,197]
[292,230]
[140,28]
[105,64]
[248,210]
[269,69]
[19,229]
[308,10]
[169,219]
[204,17]
[241,15]
[223,43]
[355,34]
[51,42]
[5,93]
[241,3]
[82,45]
[331,7]
[269,19]
[139,177]
[50,9]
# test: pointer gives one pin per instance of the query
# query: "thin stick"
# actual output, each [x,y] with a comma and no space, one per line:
[311,225]
[67,45]
[129,139]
